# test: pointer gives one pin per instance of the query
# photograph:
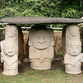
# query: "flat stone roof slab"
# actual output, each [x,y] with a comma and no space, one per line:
[39,20]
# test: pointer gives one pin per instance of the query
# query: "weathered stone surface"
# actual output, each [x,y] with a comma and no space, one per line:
[39,20]
[9,50]
[73,56]
[41,50]
[1,38]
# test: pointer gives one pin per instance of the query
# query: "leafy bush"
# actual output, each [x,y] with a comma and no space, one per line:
[47,8]
[71,13]
[7,12]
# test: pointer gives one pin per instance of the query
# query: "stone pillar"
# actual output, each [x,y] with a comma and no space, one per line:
[9,50]
[41,48]
[1,38]
[73,56]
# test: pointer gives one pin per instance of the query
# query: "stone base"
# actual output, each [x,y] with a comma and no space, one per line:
[10,72]
[73,71]
[38,65]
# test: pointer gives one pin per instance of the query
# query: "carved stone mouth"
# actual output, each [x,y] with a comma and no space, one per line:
[41,43]
[74,35]
[42,60]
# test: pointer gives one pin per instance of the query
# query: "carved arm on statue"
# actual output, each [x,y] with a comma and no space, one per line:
[82,57]
[68,66]
[1,52]
[1,47]
[2,57]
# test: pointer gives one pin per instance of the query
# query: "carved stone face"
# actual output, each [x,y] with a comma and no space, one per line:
[73,30]
[9,50]
[74,49]
[41,39]
[11,31]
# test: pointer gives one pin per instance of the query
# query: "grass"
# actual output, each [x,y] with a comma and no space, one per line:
[34,76]
[59,53]
[47,76]
[54,75]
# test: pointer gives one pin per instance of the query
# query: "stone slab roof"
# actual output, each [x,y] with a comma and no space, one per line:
[39,20]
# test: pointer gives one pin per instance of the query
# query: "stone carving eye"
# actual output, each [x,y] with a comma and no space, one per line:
[78,47]
[47,37]
[36,37]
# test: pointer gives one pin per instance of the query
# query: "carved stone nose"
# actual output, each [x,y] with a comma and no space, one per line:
[74,50]
[41,41]
[10,50]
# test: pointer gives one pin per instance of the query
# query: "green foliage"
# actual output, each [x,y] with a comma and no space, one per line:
[44,8]
[72,9]
[7,12]
[71,13]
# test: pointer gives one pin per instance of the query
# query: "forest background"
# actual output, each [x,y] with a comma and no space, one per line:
[42,8]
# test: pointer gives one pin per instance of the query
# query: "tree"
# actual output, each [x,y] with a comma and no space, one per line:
[47,8]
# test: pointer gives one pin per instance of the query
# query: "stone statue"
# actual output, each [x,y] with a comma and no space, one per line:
[69,33]
[73,56]
[72,33]
[1,38]
[9,50]
[41,50]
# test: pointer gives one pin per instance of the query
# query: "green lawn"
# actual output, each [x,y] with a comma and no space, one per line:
[55,75]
